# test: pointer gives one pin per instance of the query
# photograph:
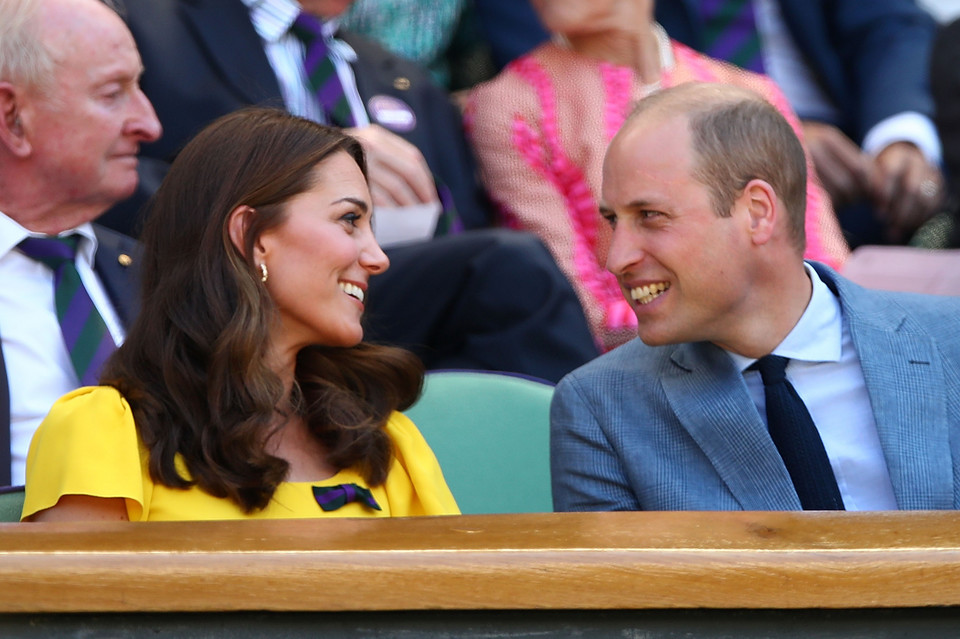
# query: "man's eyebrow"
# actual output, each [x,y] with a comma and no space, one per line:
[634,205]
[640,204]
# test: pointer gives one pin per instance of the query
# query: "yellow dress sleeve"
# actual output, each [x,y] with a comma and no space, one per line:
[86,445]
[415,484]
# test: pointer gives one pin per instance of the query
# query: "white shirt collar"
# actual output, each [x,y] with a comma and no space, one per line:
[11,234]
[818,335]
[272,19]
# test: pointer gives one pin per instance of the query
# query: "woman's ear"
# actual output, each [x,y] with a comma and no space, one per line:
[237,224]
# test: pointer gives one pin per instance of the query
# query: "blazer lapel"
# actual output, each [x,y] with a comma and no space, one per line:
[904,377]
[710,399]
[117,263]
[224,29]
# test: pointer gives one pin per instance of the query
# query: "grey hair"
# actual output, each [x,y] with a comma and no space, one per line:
[24,58]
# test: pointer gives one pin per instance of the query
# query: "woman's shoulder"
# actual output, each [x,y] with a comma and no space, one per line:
[401,429]
[410,448]
[88,416]
[99,402]
[691,65]
[415,485]
[548,62]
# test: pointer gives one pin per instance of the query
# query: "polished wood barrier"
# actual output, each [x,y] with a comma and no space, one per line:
[585,561]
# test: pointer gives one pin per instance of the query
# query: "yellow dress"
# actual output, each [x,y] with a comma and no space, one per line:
[88,445]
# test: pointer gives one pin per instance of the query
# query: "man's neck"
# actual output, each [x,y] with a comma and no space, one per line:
[779,305]
[47,219]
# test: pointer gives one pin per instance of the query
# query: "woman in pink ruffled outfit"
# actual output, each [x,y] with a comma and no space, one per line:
[540,129]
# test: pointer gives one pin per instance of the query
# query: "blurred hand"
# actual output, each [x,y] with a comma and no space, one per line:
[907,190]
[845,171]
[399,175]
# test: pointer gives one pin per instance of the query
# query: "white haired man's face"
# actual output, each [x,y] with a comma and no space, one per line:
[86,130]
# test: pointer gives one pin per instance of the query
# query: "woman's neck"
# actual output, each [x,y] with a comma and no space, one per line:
[635,48]
[307,456]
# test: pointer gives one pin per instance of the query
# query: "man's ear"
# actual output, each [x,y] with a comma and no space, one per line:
[12,131]
[762,208]
[237,224]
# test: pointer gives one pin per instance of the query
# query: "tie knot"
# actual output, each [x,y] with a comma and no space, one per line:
[307,28]
[52,251]
[773,369]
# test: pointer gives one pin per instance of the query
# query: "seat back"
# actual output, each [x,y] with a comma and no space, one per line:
[11,503]
[491,434]
[905,268]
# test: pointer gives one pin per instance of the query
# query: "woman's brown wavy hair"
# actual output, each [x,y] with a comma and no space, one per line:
[193,364]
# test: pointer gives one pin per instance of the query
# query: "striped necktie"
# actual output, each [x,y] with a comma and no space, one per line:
[730,33]
[84,332]
[321,72]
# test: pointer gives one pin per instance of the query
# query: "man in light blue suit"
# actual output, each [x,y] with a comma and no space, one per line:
[703,189]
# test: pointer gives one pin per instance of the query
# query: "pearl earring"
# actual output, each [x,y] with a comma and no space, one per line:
[263,272]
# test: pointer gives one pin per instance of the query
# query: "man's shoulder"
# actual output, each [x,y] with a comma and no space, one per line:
[893,305]
[115,242]
[372,53]
[631,360]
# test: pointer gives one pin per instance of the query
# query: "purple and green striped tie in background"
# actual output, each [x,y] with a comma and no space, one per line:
[730,33]
[321,72]
[84,332]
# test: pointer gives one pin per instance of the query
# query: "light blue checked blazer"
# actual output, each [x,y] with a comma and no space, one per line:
[674,428]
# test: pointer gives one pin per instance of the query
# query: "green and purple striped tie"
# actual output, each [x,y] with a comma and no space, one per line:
[321,72]
[730,33]
[84,332]
[335,497]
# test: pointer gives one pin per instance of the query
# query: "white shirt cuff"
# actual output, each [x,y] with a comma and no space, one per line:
[909,126]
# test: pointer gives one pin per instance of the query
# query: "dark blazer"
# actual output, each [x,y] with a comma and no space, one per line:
[871,56]
[203,59]
[120,279]
[674,428]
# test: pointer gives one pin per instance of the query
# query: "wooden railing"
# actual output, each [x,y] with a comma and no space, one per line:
[558,562]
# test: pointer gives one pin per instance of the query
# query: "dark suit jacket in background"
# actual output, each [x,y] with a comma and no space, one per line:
[203,59]
[121,283]
[870,56]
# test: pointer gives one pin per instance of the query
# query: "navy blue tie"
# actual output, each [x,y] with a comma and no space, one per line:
[796,437]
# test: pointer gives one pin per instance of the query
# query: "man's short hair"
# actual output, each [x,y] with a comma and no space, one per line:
[24,59]
[737,136]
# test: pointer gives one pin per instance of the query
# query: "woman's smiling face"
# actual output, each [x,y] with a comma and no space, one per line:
[321,257]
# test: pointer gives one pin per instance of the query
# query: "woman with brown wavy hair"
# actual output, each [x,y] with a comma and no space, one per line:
[243,388]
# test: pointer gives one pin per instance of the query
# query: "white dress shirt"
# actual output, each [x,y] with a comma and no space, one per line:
[784,63]
[38,364]
[272,20]
[824,369]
